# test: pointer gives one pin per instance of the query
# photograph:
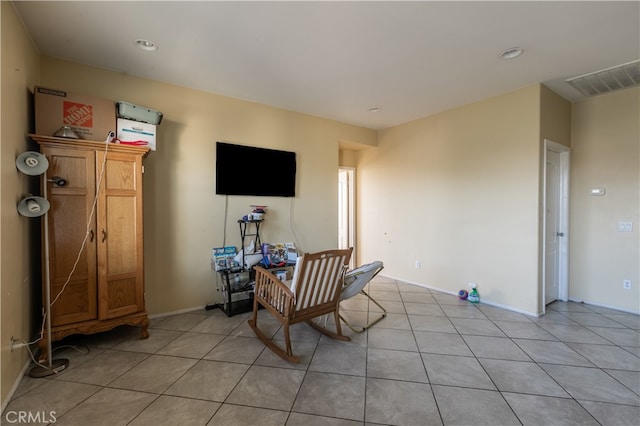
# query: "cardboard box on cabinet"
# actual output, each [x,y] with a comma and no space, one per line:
[138,113]
[136,132]
[91,117]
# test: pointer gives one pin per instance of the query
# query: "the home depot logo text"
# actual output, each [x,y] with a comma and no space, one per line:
[75,114]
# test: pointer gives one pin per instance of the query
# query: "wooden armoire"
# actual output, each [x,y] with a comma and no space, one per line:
[95,241]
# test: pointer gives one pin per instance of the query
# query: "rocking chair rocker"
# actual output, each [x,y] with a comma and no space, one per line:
[314,291]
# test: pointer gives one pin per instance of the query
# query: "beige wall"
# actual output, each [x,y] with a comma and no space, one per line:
[605,153]
[348,158]
[555,118]
[17,271]
[183,218]
[459,192]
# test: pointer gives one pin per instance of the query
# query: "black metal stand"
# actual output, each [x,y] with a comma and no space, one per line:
[237,292]
[237,286]
[244,226]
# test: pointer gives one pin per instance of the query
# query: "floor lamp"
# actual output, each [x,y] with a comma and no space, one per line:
[33,164]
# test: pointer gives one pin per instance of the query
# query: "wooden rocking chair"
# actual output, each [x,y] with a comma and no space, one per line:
[313,291]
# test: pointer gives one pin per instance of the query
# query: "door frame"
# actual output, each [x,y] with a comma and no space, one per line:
[563,245]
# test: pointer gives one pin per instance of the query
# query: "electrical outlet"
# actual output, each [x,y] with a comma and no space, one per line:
[16,344]
[625,226]
[418,264]
[626,284]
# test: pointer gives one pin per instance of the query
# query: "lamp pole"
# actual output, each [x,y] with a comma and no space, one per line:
[40,370]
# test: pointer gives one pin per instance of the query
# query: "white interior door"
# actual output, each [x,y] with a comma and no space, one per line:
[552,229]
[346,214]
[556,223]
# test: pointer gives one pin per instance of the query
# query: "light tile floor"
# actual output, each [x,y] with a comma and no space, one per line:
[434,360]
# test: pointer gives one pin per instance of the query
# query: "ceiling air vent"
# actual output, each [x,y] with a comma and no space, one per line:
[614,78]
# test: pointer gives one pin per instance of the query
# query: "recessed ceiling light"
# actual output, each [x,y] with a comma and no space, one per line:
[146,44]
[511,53]
[374,109]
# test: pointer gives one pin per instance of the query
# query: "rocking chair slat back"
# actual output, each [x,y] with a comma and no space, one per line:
[320,279]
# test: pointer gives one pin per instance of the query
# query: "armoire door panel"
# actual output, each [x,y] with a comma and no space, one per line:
[120,267]
[120,175]
[74,304]
[72,167]
[69,215]
[121,235]
[67,234]
[121,296]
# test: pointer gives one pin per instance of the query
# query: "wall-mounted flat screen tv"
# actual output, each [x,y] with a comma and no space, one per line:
[248,170]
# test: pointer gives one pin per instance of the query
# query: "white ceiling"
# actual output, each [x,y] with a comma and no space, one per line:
[336,59]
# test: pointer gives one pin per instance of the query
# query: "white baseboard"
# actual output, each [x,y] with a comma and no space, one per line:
[602,305]
[509,308]
[14,388]
[178,312]
[482,300]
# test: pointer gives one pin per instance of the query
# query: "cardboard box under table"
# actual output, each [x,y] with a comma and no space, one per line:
[137,132]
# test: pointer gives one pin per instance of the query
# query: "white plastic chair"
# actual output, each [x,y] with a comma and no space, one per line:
[354,283]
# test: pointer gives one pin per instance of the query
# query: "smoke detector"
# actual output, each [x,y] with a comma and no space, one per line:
[607,80]
[511,53]
[146,45]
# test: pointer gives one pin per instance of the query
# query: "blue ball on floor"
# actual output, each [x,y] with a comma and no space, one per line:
[463,294]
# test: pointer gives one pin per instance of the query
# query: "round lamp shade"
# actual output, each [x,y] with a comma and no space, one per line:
[33,206]
[66,132]
[32,163]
